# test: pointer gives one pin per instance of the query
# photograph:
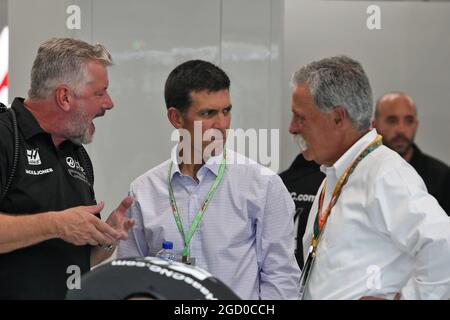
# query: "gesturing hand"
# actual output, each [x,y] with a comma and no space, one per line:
[80,226]
[118,221]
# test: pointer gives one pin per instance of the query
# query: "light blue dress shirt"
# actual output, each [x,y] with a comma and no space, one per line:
[246,236]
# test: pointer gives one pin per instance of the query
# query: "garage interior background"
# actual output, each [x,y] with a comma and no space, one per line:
[259,43]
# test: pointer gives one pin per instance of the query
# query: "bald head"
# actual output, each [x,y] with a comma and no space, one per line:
[393,100]
[396,120]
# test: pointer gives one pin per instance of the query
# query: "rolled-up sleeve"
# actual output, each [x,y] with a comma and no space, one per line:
[419,226]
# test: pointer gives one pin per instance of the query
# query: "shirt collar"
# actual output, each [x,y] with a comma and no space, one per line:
[339,167]
[212,164]
[25,119]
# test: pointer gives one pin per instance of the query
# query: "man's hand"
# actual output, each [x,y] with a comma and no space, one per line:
[120,224]
[118,221]
[80,226]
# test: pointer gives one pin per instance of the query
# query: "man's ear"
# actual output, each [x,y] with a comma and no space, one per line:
[340,115]
[175,117]
[63,97]
[374,123]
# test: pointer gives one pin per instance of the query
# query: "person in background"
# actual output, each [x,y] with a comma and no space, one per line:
[396,120]
[302,179]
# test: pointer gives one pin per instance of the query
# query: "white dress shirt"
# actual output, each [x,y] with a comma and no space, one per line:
[384,235]
[246,236]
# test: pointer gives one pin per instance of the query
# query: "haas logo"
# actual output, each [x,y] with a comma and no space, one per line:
[33,157]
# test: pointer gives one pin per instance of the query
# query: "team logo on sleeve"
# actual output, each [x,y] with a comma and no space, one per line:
[33,157]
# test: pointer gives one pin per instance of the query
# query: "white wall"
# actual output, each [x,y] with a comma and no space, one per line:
[3,13]
[147,39]
[410,53]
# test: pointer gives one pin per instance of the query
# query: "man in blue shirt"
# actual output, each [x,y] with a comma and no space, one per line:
[223,212]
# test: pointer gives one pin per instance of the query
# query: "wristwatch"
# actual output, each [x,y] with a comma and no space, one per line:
[107,247]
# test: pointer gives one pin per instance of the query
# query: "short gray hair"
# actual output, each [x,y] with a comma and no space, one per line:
[63,61]
[339,81]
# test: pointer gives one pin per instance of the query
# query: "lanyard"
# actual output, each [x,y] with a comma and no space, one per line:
[198,217]
[322,217]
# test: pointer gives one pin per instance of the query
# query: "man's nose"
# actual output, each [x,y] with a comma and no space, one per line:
[294,127]
[108,104]
[401,127]
[222,121]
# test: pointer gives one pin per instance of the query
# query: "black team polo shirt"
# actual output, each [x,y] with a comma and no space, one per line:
[302,179]
[47,179]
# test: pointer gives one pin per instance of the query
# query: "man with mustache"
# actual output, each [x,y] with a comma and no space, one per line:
[373,231]
[396,120]
[49,219]
[232,216]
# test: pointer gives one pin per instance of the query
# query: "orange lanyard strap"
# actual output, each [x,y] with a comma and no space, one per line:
[322,218]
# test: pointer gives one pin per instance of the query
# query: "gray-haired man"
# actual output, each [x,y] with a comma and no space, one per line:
[49,226]
[373,230]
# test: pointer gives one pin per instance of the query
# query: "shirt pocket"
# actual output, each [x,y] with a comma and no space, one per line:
[336,246]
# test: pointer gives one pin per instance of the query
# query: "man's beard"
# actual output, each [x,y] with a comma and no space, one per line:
[402,150]
[78,129]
